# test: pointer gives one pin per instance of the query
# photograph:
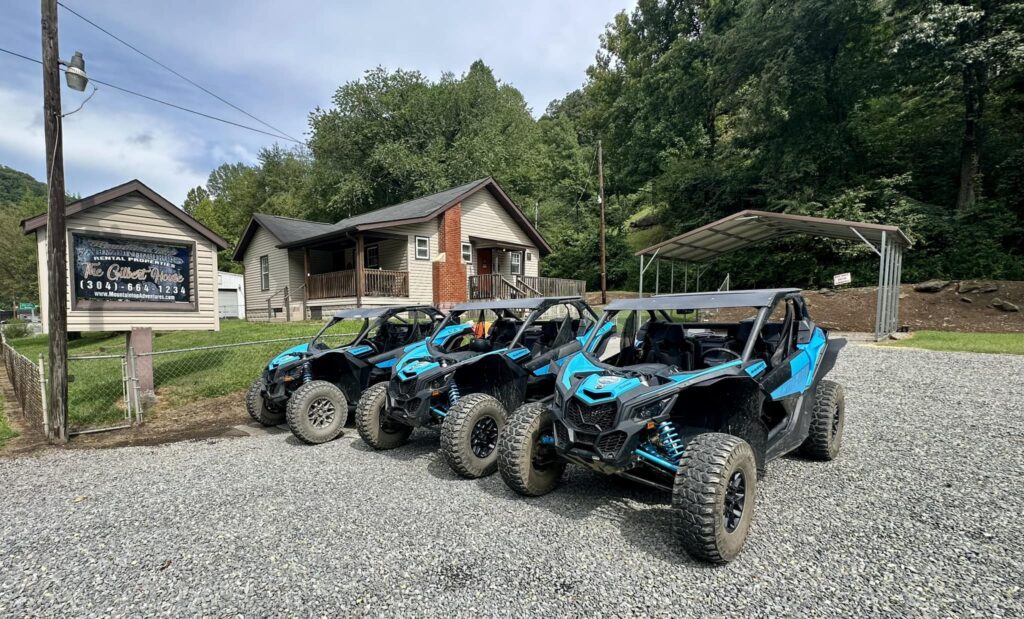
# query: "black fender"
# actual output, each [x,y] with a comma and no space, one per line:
[494,375]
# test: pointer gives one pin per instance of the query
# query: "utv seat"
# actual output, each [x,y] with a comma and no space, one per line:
[548,333]
[503,331]
[669,346]
[646,368]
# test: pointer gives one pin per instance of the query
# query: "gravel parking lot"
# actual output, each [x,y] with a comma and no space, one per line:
[920,516]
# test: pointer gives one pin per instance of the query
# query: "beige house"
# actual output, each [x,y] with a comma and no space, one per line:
[469,242]
[134,261]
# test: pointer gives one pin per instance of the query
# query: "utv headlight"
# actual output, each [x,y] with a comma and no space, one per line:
[650,410]
[438,383]
[293,374]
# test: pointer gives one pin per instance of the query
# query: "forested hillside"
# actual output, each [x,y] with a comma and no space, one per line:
[898,111]
[20,196]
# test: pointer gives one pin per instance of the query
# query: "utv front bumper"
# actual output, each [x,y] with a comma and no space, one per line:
[409,402]
[595,436]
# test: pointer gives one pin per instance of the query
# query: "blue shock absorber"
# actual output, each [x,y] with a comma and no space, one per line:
[307,373]
[453,394]
[670,440]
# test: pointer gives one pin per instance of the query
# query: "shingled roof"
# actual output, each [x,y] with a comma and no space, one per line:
[136,187]
[297,232]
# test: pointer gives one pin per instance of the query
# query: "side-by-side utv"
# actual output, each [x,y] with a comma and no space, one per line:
[311,385]
[468,388]
[703,392]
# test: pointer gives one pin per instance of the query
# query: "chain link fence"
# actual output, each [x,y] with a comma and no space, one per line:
[105,391]
[27,378]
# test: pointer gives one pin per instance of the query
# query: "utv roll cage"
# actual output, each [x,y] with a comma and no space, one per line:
[763,300]
[501,330]
[385,336]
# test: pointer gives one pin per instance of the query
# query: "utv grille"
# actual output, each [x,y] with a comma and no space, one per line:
[611,443]
[600,417]
[561,433]
[403,388]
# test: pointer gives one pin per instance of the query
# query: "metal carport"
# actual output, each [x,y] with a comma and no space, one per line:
[747,228]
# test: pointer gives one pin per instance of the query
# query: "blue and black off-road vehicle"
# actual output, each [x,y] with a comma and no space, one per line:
[311,385]
[703,392]
[467,389]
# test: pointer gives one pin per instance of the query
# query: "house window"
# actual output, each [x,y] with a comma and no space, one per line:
[422,248]
[264,272]
[529,256]
[467,253]
[517,263]
[373,256]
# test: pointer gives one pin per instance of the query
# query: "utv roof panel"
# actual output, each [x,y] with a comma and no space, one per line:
[528,303]
[376,312]
[704,300]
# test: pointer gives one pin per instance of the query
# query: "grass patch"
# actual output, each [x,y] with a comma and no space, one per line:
[1005,343]
[96,392]
[6,433]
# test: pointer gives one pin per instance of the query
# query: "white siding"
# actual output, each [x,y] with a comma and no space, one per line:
[264,244]
[136,216]
[421,273]
[296,273]
[484,218]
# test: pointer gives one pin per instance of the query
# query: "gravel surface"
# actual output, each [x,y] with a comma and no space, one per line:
[920,516]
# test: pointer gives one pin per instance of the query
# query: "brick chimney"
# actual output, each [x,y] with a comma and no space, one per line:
[449,271]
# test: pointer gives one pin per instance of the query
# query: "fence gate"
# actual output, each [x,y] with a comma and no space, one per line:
[101,394]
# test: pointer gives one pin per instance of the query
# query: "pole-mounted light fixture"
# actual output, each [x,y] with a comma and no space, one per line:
[75,72]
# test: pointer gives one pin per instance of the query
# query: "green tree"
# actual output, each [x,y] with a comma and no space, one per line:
[392,136]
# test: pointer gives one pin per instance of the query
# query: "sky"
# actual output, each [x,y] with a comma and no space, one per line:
[276,60]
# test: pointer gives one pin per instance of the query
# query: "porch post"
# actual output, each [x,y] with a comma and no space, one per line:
[359,270]
[305,280]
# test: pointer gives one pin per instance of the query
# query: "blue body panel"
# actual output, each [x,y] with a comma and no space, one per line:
[292,354]
[802,366]
[416,353]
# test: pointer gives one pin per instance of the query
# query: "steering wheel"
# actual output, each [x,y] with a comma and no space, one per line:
[707,352]
[373,345]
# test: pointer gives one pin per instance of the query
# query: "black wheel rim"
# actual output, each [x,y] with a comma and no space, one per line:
[735,497]
[321,413]
[542,455]
[484,437]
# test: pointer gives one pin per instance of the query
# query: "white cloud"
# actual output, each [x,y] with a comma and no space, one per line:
[103,149]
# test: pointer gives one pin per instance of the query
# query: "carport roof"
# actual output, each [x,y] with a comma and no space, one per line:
[749,227]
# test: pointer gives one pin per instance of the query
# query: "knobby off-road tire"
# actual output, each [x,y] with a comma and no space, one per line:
[711,464]
[523,467]
[827,419]
[257,407]
[317,412]
[372,422]
[472,426]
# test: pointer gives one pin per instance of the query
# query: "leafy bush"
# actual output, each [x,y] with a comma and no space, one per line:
[16,328]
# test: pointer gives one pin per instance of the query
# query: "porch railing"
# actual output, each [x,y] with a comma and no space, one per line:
[376,283]
[498,286]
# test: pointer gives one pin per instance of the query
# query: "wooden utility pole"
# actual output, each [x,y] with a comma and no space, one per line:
[56,232]
[600,199]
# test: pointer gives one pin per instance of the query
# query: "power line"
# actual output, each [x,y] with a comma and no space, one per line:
[167,103]
[576,206]
[157,62]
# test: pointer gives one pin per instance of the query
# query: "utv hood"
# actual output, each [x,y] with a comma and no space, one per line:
[292,354]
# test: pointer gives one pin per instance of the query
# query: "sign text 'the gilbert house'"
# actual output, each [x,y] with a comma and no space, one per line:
[134,261]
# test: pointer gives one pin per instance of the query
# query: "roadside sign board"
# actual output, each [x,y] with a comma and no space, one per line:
[28,307]
[841,278]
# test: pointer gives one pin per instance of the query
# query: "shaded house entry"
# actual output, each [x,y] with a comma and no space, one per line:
[469,241]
